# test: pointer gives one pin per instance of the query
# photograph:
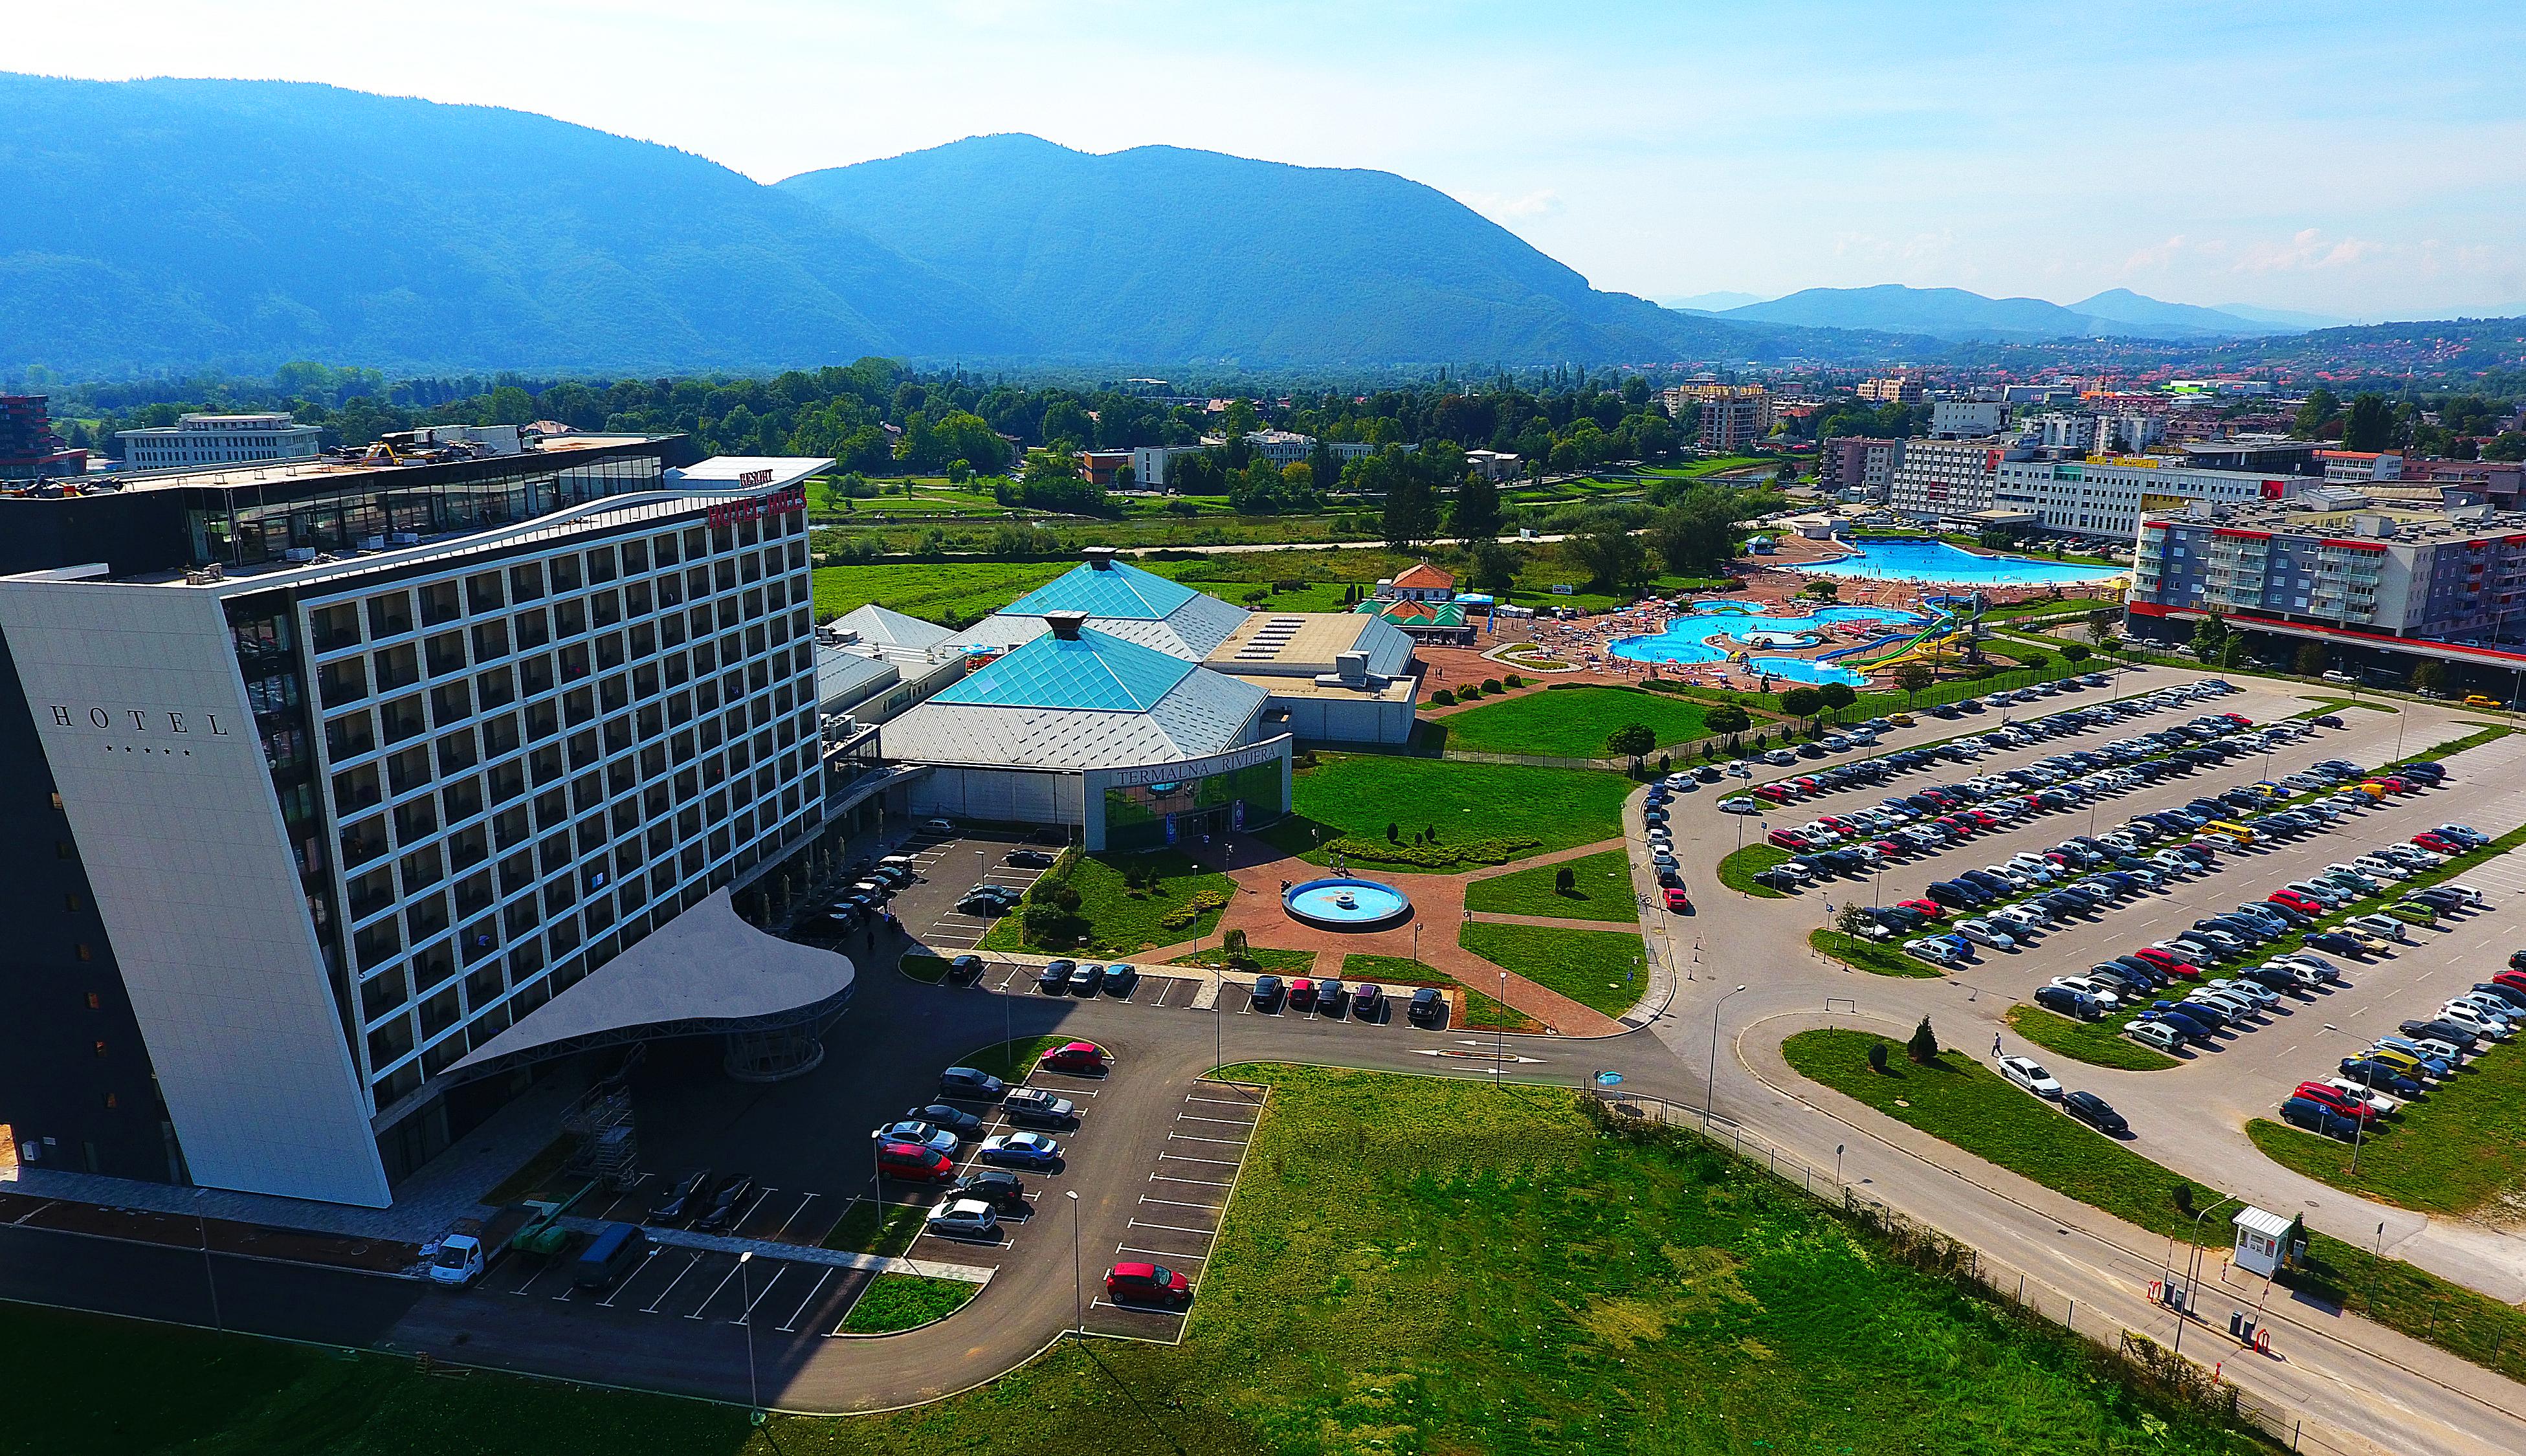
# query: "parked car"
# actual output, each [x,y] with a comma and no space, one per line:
[1146,1283]
[1035,1107]
[2027,1072]
[684,1198]
[1020,1150]
[1077,1057]
[1429,1007]
[963,1218]
[2095,1112]
[970,1085]
[954,1119]
[729,1203]
[2315,1117]
[1266,992]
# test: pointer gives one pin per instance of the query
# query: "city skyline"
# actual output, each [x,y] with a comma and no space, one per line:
[2212,156]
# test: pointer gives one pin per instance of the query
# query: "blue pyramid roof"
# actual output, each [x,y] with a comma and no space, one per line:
[1094,672]
[1121,590]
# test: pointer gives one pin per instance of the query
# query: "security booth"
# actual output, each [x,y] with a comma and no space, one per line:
[2262,1242]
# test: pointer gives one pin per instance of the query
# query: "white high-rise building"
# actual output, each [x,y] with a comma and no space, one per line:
[219,440]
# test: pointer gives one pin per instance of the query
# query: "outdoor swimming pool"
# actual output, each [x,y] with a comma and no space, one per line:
[1908,560]
[1685,638]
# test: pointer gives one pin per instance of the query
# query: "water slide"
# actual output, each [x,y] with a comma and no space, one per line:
[1949,632]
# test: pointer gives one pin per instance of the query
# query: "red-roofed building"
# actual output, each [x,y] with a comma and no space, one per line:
[1419,582]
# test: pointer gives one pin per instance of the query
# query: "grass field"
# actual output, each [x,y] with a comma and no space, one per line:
[921,965]
[931,590]
[1572,722]
[1122,921]
[2456,1152]
[867,1228]
[1011,1061]
[2096,1043]
[1272,962]
[1598,969]
[1482,1013]
[1739,866]
[1465,1269]
[1601,890]
[1483,813]
[1968,1105]
[1876,957]
[904,1301]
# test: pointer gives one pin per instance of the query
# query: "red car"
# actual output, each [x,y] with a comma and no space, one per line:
[1982,816]
[1678,901]
[2334,1098]
[1146,1283]
[1302,993]
[913,1163]
[2179,969]
[1088,1056]
[1789,840]
[2239,719]
[1772,794]
[2296,901]
[1930,909]
[1807,787]
[2438,843]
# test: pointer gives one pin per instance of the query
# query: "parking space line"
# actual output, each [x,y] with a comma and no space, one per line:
[1207,1182]
[1134,1248]
[793,1216]
[1170,1228]
[1137,1308]
[1181,1203]
[826,1278]
[652,1307]
[747,1313]
[626,1282]
[1223,1141]
[1194,1117]
[713,1294]
[1189,1158]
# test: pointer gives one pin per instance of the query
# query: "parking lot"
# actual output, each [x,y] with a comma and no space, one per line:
[787,1296]
[1191,1176]
[949,866]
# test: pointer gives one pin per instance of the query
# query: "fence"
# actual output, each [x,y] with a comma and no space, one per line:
[2144,1361]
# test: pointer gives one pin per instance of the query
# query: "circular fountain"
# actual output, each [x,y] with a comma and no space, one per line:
[1341,903]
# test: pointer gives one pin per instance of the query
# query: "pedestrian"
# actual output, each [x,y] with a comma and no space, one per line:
[1995,1043]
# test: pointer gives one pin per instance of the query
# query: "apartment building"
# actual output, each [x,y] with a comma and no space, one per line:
[1966,418]
[1852,462]
[2105,496]
[1938,478]
[29,448]
[1892,390]
[219,439]
[1734,417]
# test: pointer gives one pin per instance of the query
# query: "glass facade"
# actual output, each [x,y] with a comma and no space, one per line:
[351,510]
[1144,816]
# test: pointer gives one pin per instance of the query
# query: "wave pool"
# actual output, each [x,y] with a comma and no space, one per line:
[1911,560]
[1698,638]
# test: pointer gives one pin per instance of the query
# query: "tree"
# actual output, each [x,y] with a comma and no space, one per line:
[2102,622]
[1477,512]
[1911,676]
[1615,559]
[1876,1056]
[1924,1046]
[2429,678]
[1631,740]
[1411,513]
[1564,882]
[1801,702]
[2369,425]
[1233,945]
[2313,658]
[1727,717]
[2210,636]
[1493,565]
[2034,660]
[1836,696]
[1696,537]
[1852,920]
[2076,652]
[2319,407]
[1824,588]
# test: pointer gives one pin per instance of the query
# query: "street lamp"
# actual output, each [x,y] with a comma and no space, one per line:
[1078,1288]
[745,1291]
[2358,1124]
[2192,1270]
[1712,1080]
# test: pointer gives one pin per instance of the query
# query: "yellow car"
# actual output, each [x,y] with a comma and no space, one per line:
[1901,720]
[2477,700]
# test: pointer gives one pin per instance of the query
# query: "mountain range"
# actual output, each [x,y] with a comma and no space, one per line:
[1957,314]
[179,223]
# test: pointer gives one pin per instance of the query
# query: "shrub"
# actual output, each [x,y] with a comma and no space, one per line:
[1514,680]
[1876,1056]
[1469,692]
[1491,684]
[1442,698]
[1924,1046]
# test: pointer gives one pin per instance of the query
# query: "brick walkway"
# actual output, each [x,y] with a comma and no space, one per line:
[1438,910]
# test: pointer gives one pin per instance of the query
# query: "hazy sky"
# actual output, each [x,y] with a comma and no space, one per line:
[2361,159]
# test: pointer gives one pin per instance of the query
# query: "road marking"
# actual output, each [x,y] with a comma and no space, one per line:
[1193,1117]
[810,1299]
[1134,1248]
[1170,1228]
[1222,1142]
[1137,1308]
[713,1294]
[1188,1158]
[793,1216]
[1207,1182]
[652,1307]
[747,1313]
[1180,1203]
[608,1301]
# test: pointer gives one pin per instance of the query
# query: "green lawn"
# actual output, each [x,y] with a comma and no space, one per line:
[1486,814]
[1601,890]
[894,1302]
[1265,959]
[920,965]
[1184,904]
[1569,721]
[1876,957]
[867,1228]
[2456,1152]
[2096,1043]
[1968,1105]
[931,590]
[1739,866]
[1464,1268]
[1598,969]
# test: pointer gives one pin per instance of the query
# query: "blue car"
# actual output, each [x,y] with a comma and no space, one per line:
[2315,1117]
[2194,1021]
[2341,946]
[2377,1077]
[1021,1150]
